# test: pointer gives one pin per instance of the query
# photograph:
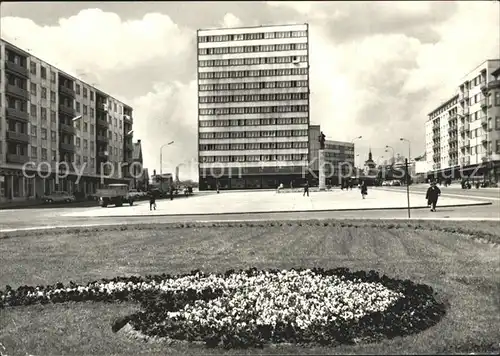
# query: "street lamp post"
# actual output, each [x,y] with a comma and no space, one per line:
[161,155]
[407,174]
[392,149]
[354,151]
[409,147]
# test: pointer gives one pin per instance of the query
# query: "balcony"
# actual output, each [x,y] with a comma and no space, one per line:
[68,110]
[465,111]
[484,120]
[15,90]
[17,114]
[453,162]
[17,158]
[67,129]
[68,147]
[465,161]
[436,166]
[453,139]
[103,155]
[494,84]
[129,146]
[484,139]
[466,143]
[101,107]
[436,146]
[16,69]
[128,119]
[18,137]
[483,87]
[483,103]
[452,128]
[67,91]
[102,123]
[103,139]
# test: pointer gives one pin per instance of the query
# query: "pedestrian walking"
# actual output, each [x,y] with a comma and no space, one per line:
[152,201]
[306,188]
[364,189]
[432,196]
[171,192]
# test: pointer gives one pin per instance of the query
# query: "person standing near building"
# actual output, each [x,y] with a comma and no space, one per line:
[364,189]
[306,188]
[432,196]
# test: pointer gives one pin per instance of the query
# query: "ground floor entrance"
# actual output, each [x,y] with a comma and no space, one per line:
[254,182]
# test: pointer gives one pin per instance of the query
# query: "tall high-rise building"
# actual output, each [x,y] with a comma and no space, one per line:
[253,103]
[48,116]
[463,133]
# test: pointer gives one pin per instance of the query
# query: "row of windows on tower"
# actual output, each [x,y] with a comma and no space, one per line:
[254,158]
[253,49]
[252,36]
[254,110]
[254,97]
[251,61]
[255,122]
[253,134]
[254,146]
[253,73]
[254,85]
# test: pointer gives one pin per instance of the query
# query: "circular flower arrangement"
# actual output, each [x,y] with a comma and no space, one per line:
[252,308]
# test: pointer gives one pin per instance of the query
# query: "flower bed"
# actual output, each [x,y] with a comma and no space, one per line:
[252,308]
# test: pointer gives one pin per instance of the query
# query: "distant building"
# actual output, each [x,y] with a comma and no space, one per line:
[463,133]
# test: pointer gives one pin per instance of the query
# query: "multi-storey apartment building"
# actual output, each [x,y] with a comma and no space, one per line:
[463,133]
[48,117]
[253,102]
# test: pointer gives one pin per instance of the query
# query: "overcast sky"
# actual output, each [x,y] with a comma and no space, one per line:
[377,68]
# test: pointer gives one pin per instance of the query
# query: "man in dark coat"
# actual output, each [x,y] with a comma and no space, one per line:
[152,200]
[432,196]
[364,189]
[306,188]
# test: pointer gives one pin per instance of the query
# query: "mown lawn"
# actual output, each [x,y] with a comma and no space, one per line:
[464,272]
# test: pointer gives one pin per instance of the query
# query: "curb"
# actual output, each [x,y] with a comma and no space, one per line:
[449,194]
[241,221]
[282,211]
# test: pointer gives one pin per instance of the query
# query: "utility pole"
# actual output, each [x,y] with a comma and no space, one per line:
[407,186]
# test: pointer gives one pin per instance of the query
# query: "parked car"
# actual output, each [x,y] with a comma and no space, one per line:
[58,197]
[386,183]
[396,183]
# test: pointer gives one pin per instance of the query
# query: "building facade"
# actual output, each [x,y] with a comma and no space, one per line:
[339,158]
[463,133]
[339,161]
[56,131]
[253,101]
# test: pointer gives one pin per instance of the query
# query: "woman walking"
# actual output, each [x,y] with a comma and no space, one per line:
[364,189]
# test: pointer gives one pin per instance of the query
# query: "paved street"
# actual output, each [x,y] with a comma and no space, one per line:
[269,201]
[37,218]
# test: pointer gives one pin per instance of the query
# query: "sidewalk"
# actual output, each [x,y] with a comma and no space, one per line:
[30,204]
